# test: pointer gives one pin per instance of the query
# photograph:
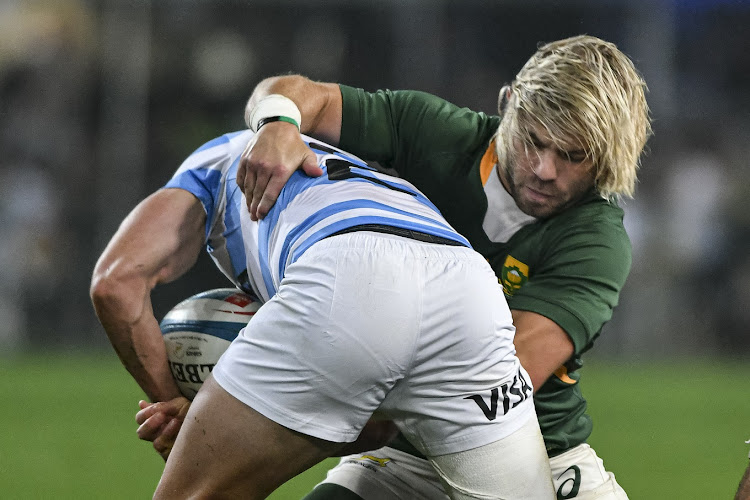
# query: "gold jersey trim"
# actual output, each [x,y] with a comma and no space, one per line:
[487,165]
[562,374]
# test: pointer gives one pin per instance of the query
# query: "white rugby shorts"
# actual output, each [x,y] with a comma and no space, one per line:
[367,322]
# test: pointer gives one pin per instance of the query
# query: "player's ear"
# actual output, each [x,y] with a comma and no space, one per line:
[502,99]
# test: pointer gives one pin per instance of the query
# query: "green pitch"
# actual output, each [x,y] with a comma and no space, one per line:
[667,430]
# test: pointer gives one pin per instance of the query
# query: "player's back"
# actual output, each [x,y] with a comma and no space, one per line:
[349,195]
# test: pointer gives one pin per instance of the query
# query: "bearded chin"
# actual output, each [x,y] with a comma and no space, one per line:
[506,174]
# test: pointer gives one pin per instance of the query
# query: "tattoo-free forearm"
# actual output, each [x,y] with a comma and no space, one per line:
[158,241]
[319,104]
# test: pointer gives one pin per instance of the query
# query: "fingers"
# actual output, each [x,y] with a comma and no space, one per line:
[268,188]
[165,441]
[170,408]
[151,428]
[154,418]
[246,174]
[310,165]
[269,159]
[261,190]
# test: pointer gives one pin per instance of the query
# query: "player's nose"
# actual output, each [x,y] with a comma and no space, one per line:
[545,166]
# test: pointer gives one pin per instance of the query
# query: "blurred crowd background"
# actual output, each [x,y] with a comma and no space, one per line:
[100,101]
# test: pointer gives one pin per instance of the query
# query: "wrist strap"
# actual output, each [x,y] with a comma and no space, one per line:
[270,119]
[275,106]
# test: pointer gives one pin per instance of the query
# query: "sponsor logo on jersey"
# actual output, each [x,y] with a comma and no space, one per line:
[379,461]
[369,462]
[514,275]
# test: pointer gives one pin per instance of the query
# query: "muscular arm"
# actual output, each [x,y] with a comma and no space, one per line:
[541,345]
[319,103]
[277,150]
[156,243]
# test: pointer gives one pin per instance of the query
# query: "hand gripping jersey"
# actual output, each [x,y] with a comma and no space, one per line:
[350,194]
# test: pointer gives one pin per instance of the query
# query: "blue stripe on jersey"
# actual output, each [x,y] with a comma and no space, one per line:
[366,219]
[204,183]
[300,182]
[233,228]
[365,172]
[343,206]
[442,230]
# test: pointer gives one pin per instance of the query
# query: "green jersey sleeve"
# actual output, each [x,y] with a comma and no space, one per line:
[389,127]
[581,260]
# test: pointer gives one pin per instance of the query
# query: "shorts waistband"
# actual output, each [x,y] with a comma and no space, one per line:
[400,231]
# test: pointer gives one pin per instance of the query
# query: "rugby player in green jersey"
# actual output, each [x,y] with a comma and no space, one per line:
[534,190]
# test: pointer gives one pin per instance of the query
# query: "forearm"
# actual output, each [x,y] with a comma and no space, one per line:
[541,345]
[158,242]
[126,314]
[319,104]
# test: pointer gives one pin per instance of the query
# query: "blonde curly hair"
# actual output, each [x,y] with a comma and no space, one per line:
[581,90]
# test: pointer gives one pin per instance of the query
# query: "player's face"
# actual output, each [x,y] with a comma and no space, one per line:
[547,178]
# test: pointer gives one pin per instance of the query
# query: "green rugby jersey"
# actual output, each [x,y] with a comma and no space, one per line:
[569,268]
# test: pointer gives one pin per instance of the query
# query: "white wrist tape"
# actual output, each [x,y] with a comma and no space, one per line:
[274,105]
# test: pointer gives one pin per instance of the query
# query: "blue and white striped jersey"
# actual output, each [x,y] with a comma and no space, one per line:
[254,254]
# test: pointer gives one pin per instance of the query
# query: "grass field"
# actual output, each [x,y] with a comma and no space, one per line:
[668,431]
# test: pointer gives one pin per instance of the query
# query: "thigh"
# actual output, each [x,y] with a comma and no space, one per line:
[382,474]
[580,474]
[515,466]
[227,449]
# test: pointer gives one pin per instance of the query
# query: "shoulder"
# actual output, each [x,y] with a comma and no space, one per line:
[230,144]
[596,216]
[413,113]
[217,155]
[591,233]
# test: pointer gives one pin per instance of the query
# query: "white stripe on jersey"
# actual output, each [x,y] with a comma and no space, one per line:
[308,209]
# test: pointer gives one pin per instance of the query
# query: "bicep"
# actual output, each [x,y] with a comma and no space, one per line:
[326,124]
[158,241]
[541,345]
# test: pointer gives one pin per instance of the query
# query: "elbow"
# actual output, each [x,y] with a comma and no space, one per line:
[104,289]
[117,294]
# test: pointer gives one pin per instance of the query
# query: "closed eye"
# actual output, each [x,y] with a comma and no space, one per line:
[573,156]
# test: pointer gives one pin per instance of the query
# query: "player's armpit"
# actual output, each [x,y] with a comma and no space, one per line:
[541,345]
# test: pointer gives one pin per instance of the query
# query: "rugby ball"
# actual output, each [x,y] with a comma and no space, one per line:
[199,329]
